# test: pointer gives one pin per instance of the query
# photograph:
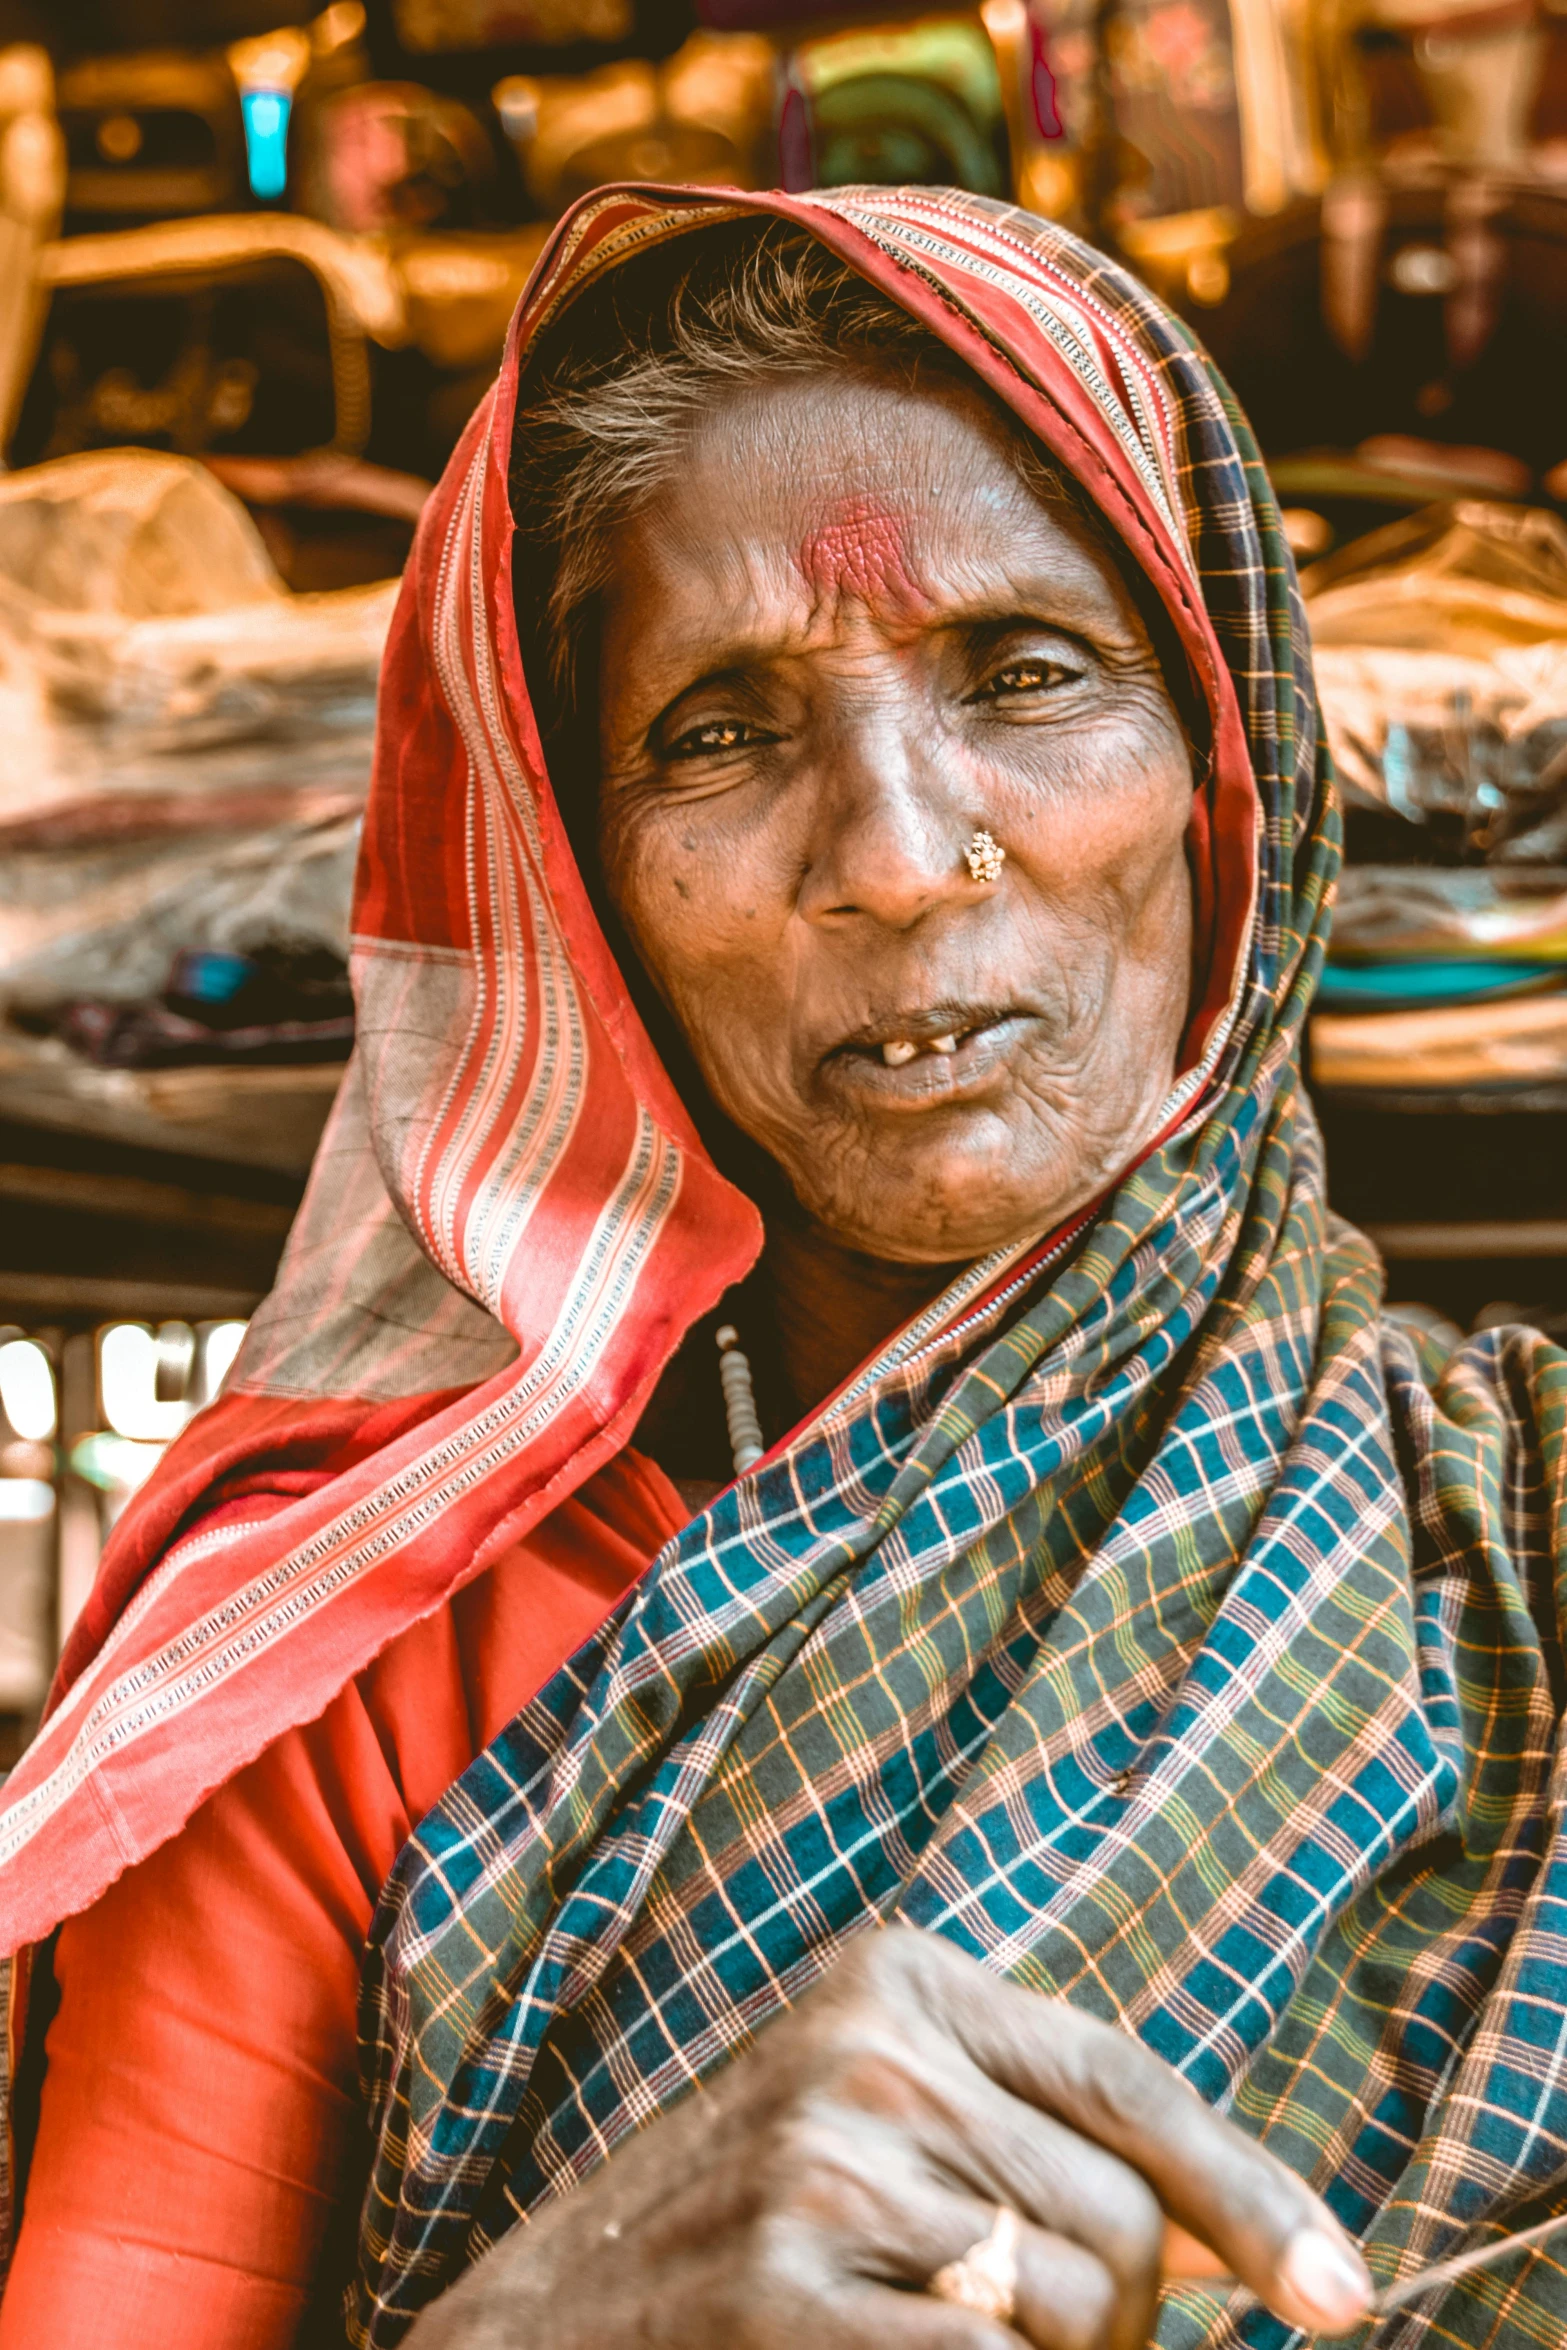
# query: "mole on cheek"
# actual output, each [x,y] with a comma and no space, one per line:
[859,553]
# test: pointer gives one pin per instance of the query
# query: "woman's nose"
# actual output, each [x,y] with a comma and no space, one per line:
[887,834]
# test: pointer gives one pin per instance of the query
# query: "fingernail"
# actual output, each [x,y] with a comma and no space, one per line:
[1326,2277]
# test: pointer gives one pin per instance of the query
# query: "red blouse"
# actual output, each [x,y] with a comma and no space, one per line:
[200,2150]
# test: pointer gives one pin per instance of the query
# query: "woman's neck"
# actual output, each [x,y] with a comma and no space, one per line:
[809,1315]
[833,1307]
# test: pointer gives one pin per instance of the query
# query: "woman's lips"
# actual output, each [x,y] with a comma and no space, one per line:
[932,1066]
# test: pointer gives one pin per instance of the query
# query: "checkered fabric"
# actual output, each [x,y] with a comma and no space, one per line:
[1165,1632]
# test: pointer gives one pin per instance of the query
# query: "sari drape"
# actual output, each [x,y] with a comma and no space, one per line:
[1148,1618]
[1161,1630]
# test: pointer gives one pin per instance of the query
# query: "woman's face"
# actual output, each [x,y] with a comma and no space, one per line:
[845,639]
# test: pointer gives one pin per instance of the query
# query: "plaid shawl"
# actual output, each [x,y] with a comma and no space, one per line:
[1157,1626]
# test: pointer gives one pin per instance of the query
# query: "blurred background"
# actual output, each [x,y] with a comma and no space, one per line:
[256,265]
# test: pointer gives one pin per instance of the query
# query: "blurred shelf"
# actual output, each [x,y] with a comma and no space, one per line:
[140,1200]
[270,1117]
[1478,1101]
[93,1230]
[36,1298]
[1431,1243]
[1467,1209]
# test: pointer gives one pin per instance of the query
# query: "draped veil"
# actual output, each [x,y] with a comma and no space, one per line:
[1147,1618]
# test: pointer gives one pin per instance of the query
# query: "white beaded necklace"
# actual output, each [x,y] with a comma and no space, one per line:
[745,1429]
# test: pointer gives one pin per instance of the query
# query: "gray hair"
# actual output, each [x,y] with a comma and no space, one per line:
[610,405]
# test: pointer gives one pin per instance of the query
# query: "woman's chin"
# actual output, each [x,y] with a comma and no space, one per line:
[945,1212]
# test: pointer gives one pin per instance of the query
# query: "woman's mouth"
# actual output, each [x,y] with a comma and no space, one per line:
[900,1049]
[928,1059]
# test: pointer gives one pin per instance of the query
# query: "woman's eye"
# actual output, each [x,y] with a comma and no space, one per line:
[1022,677]
[712,740]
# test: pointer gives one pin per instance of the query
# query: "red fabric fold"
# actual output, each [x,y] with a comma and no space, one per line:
[200,2142]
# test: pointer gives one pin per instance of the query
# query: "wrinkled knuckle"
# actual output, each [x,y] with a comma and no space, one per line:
[810,2175]
[1133,2228]
[878,1985]
[848,2045]
[1120,2088]
[787,2157]
[775,2252]
[872,2076]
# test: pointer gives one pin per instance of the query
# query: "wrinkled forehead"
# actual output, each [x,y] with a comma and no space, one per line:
[1000,291]
[1043,354]
[983,273]
[812,517]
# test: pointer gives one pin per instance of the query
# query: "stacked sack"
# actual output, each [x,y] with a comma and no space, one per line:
[1441,652]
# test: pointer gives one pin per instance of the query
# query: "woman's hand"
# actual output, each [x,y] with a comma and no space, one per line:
[806,2198]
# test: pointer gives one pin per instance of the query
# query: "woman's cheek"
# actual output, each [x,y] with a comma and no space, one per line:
[702,935]
[1112,819]
[661,895]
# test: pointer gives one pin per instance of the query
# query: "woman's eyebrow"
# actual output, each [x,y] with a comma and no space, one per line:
[1000,623]
[735,676]
[742,654]
[731,659]
[735,663]
[1037,600]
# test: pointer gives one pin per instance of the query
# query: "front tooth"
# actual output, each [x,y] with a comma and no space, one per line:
[898,1051]
[943,1044]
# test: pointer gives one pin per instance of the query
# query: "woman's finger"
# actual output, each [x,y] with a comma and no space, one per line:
[971,2129]
[874,2317]
[1064,2298]
[1265,2225]
[1070,2189]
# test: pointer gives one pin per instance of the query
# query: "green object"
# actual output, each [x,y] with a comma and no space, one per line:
[914,103]
[1407,987]
[115,1464]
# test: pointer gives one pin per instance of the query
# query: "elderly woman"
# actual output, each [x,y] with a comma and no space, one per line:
[797,1819]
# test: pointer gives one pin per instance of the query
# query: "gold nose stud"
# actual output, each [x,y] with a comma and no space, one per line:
[984,857]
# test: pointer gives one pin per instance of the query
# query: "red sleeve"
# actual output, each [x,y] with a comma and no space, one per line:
[199,2157]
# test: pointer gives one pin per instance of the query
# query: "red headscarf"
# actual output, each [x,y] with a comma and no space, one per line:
[511,1222]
